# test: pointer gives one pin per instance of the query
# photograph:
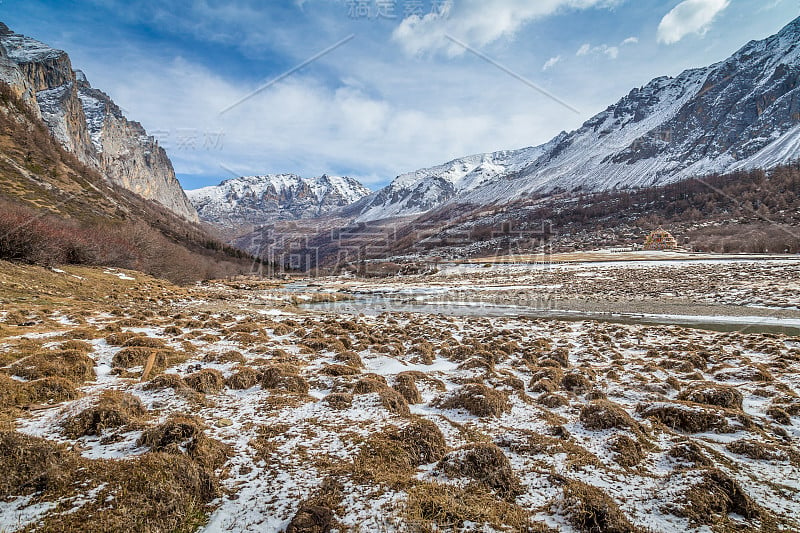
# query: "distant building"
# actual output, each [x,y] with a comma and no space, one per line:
[660,239]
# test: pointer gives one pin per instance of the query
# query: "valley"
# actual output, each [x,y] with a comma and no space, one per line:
[402,421]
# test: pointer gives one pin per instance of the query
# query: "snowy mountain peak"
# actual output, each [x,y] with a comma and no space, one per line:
[740,113]
[254,200]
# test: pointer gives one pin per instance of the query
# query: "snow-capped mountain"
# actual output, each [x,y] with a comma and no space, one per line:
[87,123]
[255,200]
[741,113]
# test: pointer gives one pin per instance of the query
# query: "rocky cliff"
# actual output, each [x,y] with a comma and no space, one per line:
[87,123]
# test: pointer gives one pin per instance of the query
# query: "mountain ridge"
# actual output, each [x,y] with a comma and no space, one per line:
[258,200]
[739,113]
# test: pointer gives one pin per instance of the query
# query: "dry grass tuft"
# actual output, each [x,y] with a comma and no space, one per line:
[181,434]
[154,492]
[311,519]
[756,450]
[690,453]
[279,378]
[592,511]
[604,414]
[714,498]
[713,394]
[339,400]
[432,507]
[77,345]
[478,400]
[484,463]
[206,381]
[231,356]
[120,338]
[20,394]
[576,382]
[243,378]
[68,364]
[114,409]
[422,440]
[627,451]
[145,341]
[165,381]
[30,465]
[339,370]
[693,418]
[406,385]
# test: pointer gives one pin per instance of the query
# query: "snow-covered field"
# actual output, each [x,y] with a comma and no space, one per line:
[430,422]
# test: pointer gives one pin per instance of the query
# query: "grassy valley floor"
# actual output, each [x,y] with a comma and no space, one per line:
[130,403]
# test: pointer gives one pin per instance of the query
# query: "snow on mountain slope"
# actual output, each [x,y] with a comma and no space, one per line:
[423,190]
[743,112]
[254,200]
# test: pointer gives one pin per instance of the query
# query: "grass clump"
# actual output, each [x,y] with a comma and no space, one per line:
[278,378]
[714,498]
[73,365]
[434,507]
[243,378]
[484,463]
[478,400]
[206,381]
[591,510]
[114,409]
[406,385]
[713,394]
[693,418]
[183,434]
[421,439]
[605,414]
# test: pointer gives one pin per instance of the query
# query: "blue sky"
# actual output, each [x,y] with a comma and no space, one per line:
[397,94]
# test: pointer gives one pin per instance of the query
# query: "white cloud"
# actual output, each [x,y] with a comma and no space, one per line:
[587,49]
[478,22]
[630,40]
[689,17]
[309,127]
[551,63]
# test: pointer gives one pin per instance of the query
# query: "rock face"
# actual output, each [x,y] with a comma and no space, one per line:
[87,122]
[257,200]
[741,113]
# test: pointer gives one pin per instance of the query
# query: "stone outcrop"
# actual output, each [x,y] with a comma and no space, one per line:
[88,123]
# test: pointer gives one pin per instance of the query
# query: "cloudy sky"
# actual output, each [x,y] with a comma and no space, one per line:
[375,88]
